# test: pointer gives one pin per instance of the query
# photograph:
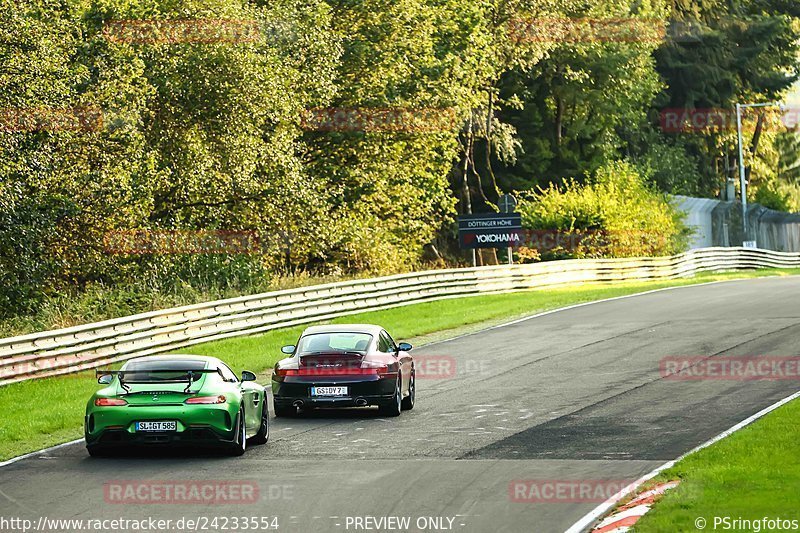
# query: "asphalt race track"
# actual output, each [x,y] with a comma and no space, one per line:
[574,395]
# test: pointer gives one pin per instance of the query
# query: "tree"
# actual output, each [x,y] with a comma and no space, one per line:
[723,54]
[575,108]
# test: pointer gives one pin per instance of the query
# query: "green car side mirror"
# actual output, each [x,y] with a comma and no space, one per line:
[248,376]
[105,379]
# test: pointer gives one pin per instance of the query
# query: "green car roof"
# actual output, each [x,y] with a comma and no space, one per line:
[173,357]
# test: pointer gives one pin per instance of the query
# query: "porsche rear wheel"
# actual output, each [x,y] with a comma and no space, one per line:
[408,401]
[394,406]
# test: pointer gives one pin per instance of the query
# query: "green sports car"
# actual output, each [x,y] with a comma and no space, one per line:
[176,399]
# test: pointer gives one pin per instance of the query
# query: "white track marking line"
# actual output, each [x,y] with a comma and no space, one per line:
[39,452]
[604,507]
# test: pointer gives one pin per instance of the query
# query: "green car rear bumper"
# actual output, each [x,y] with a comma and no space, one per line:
[109,427]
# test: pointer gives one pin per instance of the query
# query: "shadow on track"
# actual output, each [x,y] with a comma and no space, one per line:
[155,453]
[333,414]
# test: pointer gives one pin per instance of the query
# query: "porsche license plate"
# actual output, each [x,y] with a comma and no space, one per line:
[328,391]
[169,425]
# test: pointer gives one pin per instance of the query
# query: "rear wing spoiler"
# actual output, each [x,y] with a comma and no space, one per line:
[189,373]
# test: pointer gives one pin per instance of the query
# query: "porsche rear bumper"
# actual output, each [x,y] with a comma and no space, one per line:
[361,391]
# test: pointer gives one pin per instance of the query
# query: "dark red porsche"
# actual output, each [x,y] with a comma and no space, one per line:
[344,365]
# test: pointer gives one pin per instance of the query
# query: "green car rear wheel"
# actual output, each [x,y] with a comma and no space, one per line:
[263,432]
[239,445]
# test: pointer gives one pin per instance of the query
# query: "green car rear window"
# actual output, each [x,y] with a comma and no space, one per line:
[141,371]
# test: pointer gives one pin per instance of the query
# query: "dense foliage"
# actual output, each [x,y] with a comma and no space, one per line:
[102,132]
[616,213]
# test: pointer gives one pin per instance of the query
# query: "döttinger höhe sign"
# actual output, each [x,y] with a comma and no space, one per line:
[490,230]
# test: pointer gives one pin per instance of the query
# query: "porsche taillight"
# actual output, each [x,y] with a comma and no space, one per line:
[205,400]
[109,402]
[366,368]
[375,367]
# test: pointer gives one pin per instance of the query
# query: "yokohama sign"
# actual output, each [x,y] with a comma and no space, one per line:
[490,230]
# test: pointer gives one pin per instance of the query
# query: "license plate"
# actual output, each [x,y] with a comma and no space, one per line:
[170,425]
[328,391]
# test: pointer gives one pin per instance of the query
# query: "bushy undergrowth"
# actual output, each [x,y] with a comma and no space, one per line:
[615,214]
[98,301]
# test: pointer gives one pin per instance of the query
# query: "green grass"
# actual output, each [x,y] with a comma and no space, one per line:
[752,474]
[44,412]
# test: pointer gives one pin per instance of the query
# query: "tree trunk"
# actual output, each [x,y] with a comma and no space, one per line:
[559,120]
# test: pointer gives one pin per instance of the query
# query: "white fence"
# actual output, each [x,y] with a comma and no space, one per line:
[88,346]
[718,223]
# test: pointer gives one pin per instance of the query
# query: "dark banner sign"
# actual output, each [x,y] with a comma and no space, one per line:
[490,230]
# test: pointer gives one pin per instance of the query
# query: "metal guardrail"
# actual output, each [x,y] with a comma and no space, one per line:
[88,346]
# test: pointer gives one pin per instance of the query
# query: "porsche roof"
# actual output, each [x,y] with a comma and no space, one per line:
[344,328]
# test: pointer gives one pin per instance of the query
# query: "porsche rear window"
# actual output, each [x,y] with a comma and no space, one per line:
[334,342]
[141,371]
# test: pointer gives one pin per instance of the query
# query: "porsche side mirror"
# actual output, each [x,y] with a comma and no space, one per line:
[288,349]
[248,376]
[105,379]
[404,347]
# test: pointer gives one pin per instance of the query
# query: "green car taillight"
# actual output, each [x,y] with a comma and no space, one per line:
[206,400]
[109,402]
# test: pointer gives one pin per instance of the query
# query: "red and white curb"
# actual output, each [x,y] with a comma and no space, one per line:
[630,513]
